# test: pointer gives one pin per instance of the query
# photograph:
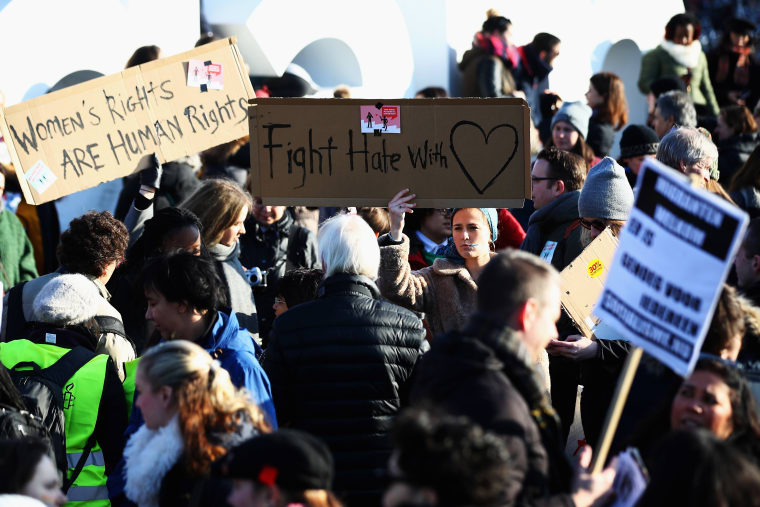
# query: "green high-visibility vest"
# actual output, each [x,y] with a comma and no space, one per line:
[130,372]
[81,396]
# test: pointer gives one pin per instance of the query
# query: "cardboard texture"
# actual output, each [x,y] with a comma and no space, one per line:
[583,280]
[108,127]
[449,152]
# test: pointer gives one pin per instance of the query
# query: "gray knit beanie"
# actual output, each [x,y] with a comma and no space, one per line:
[576,114]
[606,193]
[67,300]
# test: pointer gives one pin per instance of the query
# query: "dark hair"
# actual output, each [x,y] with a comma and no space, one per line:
[9,395]
[684,19]
[496,24]
[740,26]
[748,174]
[206,38]
[451,455]
[92,242]
[433,92]
[746,426]
[182,277]
[614,109]
[727,323]
[377,218]
[751,243]
[693,467]
[142,55]
[666,84]
[567,166]
[300,285]
[18,461]
[510,279]
[157,230]
[544,42]
[739,118]
[581,148]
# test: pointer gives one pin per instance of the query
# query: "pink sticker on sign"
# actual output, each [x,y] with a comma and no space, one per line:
[380,119]
[205,75]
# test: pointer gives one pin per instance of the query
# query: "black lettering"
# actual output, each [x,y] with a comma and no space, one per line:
[312,151]
[146,134]
[111,102]
[65,126]
[214,120]
[243,104]
[42,135]
[131,137]
[66,162]
[167,93]
[329,149]
[174,127]
[190,114]
[24,139]
[94,156]
[53,125]
[395,157]
[299,159]
[121,145]
[225,107]
[351,152]
[419,157]
[142,99]
[95,120]
[270,145]
[79,155]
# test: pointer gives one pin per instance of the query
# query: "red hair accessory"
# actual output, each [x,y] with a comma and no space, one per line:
[268,475]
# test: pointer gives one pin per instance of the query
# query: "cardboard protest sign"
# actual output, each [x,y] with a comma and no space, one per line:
[674,255]
[450,152]
[583,281]
[105,128]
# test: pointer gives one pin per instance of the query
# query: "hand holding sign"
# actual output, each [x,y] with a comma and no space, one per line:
[397,208]
[576,347]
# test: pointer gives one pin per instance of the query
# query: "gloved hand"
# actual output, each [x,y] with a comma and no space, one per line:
[151,175]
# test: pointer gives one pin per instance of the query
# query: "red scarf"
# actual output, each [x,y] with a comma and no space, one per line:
[741,71]
[496,46]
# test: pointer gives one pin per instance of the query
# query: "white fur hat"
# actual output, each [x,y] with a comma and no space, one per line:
[67,300]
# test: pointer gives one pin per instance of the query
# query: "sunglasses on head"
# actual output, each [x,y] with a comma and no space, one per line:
[599,225]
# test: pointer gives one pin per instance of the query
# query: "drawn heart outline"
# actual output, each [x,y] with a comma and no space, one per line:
[486,136]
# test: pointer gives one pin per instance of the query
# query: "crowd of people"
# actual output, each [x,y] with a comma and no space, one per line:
[198,347]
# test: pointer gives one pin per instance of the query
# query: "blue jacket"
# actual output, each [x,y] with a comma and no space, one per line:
[237,353]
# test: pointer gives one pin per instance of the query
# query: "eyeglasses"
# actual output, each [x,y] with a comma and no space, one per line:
[599,225]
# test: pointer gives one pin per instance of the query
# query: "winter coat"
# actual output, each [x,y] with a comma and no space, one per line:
[601,137]
[659,63]
[236,352]
[178,182]
[16,254]
[339,367]
[748,199]
[532,77]
[484,373]
[282,247]
[240,293]
[733,153]
[557,222]
[723,80]
[118,347]
[485,75]
[445,292]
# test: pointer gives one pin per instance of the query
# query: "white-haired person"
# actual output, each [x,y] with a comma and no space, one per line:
[339,365]
[193,416]
[689,151]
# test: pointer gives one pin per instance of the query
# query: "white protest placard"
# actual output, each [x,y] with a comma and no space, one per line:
[673,257]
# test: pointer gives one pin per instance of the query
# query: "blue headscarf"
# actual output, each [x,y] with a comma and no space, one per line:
[449,250]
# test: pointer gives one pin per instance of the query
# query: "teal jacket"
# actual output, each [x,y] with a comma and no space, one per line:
[16,253]
[658,63]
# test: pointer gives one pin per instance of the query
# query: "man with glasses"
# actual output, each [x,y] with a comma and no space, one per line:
[554,231]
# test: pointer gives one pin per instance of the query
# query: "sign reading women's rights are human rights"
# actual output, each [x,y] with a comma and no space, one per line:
[109,127]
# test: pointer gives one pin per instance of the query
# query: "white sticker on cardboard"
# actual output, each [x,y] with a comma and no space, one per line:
[40,177]
[50,338]
[205,75]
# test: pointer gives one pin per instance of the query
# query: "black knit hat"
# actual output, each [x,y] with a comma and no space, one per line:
[293,460]
[638,140]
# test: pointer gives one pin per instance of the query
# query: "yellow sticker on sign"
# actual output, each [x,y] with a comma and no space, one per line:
[595,268]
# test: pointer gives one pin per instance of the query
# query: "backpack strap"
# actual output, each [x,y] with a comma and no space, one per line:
[16,321]
[80,464]
[67,365]
[108,324]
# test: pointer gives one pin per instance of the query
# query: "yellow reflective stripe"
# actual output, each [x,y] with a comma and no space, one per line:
[95,458]
[87,493]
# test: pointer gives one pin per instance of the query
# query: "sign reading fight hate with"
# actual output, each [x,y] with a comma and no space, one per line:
[673,257]
[345,152]
[100,130]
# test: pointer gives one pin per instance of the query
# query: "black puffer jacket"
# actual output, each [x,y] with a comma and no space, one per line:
[280,248]
[339,367]
[733,152]
[484,373]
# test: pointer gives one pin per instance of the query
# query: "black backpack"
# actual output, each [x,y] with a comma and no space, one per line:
[42,390]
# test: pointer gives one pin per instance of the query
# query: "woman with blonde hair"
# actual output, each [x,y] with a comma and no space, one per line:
[193,416]
[222,207]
